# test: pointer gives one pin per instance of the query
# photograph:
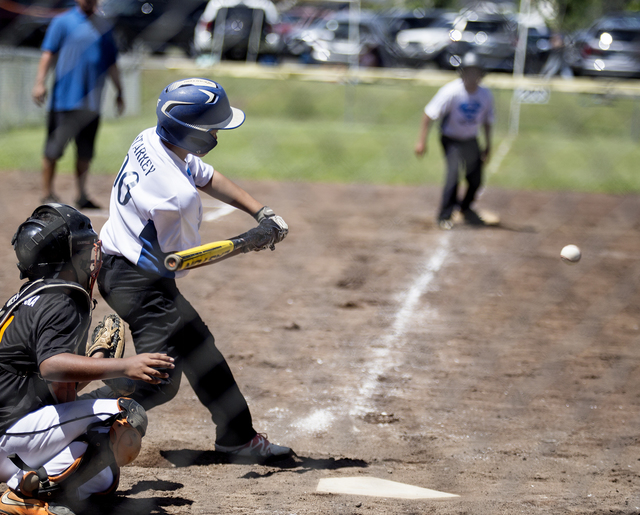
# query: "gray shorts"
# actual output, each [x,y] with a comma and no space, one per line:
[63,126]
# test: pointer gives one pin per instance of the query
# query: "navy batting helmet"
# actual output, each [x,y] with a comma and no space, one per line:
[189,109]
[54,238]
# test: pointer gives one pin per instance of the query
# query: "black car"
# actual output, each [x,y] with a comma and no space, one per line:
[154,25]
[494,38]
[239,30]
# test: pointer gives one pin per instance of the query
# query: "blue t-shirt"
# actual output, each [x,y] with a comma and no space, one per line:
[86,50]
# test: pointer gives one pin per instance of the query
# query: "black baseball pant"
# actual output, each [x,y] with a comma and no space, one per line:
[459,154]
[162,320]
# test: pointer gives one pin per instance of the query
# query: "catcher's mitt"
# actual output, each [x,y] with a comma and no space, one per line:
[108,336]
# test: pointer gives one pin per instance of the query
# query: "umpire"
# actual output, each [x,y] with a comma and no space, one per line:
[462,106]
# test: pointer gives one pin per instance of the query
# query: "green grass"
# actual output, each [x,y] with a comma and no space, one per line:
[322,132]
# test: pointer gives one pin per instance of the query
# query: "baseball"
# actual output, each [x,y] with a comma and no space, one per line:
[570,254]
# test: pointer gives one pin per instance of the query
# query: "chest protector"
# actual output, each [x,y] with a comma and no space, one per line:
[29,292]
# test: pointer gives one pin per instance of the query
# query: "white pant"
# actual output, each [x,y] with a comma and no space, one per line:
[46,438]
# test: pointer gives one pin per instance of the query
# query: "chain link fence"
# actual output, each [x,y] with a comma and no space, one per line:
[18,68]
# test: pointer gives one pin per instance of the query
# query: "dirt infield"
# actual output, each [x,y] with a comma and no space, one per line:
[471,361]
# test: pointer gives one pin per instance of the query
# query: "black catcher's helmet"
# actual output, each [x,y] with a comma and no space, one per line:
[58,237]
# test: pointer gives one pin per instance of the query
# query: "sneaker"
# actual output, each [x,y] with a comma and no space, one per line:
[472,218]
[50,199]
[445,224]
[258,447]
[12,503]
[85,203]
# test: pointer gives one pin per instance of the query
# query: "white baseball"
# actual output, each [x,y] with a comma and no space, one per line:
[570,254]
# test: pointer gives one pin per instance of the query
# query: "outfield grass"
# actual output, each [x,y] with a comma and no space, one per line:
[321,132]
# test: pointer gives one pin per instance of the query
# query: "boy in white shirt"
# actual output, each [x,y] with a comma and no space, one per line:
[462,106]
[155,209]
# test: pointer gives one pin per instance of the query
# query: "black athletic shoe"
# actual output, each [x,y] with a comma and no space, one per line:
[258,447]
[86,203]
[472,218]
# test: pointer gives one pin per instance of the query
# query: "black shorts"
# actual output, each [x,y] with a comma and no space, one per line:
[63,126]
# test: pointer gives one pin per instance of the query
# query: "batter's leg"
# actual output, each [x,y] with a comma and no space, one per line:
[450,190]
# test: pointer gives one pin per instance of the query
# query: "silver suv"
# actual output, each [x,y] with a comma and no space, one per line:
[609,48]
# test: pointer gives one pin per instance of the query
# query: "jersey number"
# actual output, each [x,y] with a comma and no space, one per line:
[125,180]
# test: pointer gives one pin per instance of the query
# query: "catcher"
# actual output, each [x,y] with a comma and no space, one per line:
[56,451]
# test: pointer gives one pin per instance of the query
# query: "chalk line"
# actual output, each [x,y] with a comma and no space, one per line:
[221,211]
[381,354]
[501,153]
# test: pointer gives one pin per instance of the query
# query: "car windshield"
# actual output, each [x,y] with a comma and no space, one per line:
[419,23]
[626,36]
[340,29]
[489,27]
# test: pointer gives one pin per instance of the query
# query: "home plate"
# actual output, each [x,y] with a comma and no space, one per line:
[376,487]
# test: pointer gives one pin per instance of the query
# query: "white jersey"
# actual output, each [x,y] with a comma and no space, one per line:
[461,113]
[155,207]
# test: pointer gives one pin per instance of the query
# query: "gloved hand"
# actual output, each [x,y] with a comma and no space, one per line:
[267,218]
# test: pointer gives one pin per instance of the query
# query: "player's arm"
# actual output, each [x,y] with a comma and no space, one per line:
[230,193]
[421,144]
[227,191]
[71,368]
[39,91]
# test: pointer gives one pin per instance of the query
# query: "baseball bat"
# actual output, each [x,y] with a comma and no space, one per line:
[198,256]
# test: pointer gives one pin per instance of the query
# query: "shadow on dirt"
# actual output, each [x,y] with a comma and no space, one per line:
[298,464]
[124,505]
[499,225]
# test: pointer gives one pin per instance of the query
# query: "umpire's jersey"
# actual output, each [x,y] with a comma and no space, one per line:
[45,319]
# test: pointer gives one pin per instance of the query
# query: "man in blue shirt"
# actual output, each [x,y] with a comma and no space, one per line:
[81,47]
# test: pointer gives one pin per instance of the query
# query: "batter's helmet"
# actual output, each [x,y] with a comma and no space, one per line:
[54,238]
[189,109]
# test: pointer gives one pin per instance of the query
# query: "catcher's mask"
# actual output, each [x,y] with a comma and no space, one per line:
[188,110]
[54,238]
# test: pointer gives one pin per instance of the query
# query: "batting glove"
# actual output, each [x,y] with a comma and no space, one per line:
[267,218]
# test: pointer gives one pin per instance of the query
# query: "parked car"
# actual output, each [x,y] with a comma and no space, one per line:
[408,19]
[608,48]
[154,25]
[494,37]
[25,22]
[238,30]
[329,40]
[419,46]
[299,18]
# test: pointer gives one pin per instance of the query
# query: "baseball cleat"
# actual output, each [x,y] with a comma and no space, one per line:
[12,503]
[445,224]
[258,447]
[472,218]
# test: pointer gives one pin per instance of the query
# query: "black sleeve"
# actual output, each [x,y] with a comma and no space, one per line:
[61,326]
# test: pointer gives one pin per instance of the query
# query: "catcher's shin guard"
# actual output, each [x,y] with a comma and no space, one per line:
[127,431]
[112,443]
